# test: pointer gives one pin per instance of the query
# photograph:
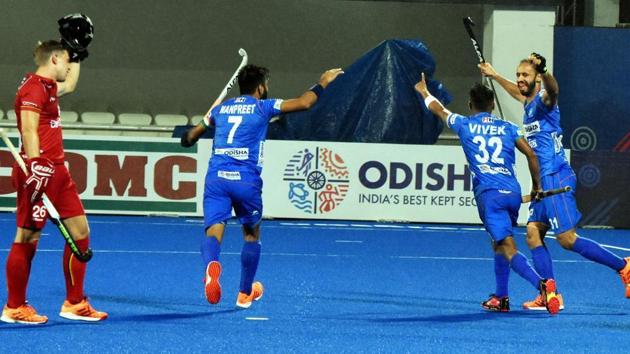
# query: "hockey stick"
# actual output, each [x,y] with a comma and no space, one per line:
[229,85]
[468,23]
[52,212]
[544,194]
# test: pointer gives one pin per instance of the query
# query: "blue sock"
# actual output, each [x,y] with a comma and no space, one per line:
[593,251]
[502,275]
[210,249]
[542,262]
[521,266]
[249,263]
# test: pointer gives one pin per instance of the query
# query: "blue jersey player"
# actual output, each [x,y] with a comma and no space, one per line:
[544,134]
[233,178]
[489,143]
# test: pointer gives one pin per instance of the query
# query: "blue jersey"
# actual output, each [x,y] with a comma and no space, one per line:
[488,144]
[241,128]
[544,135]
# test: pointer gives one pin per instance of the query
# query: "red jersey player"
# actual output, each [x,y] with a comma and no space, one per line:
[37,110]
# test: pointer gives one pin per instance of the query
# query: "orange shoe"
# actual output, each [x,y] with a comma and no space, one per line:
[498,304]
[625,276]
[213,287]
[82,311]
[24,314]
[539,305]
[548,293]
[245,301]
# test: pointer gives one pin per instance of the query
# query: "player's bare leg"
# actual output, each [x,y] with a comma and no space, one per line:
[593,251]
[250,255]
[210,250]
[18,269]
[76,305]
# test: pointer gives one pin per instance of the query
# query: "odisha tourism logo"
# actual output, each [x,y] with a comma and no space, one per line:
[317,180]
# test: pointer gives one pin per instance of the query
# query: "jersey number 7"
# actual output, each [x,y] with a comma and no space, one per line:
[236,120]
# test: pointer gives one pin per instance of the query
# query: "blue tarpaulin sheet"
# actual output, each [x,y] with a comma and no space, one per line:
[373,102]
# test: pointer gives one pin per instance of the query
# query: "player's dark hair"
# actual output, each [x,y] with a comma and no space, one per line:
[45,49]
[481,98]
[527,61]
[250,77]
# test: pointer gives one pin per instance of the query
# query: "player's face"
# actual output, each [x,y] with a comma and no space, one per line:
[61,60]
[526,79]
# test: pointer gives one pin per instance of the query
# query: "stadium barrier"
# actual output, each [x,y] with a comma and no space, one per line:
[305,180]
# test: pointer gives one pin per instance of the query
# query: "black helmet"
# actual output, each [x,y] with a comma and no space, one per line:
[76,30]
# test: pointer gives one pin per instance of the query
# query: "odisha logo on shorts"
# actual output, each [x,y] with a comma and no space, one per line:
[317,180]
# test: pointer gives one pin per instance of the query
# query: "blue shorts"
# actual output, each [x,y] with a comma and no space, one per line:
[558,211]
[221,195]
[498,211]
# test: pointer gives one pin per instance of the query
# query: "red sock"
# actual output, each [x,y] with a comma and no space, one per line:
[18,272]
[74,272]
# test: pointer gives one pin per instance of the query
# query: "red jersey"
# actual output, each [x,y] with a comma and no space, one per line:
[39,94]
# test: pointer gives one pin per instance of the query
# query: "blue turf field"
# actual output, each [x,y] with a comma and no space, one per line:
[329,287]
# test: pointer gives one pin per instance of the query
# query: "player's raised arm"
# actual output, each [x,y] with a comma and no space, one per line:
[532,163]
[70,84]
[431,102]
[552,90]
[309,97]
[509,86]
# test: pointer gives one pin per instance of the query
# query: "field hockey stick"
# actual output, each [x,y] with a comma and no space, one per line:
[52,212]
[229,85]
[544,194]
[468,23]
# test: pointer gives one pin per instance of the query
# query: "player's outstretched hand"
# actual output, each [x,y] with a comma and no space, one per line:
[540,63]
[421,86]
[186,141]
[77,56]
[329,76]
[40,171]
[487,70]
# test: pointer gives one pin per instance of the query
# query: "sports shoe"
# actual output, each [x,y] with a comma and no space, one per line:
[24,314]
[499,304]
[548,293]
[539,305]
[245,301]
[625,276]
[81,311]
[213,287]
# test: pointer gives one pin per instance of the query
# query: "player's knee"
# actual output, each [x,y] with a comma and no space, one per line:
[535,236]
[251,233]
[566,239]
[81,234]
[507,247]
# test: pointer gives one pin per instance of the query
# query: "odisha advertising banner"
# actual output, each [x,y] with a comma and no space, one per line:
[322,180]
[314,180]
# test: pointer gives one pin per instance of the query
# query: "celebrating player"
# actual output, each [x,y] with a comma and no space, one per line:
[544,134]
[38,121]
[233,177]
[488,143]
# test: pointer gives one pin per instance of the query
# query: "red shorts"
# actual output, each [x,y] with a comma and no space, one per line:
[61,191]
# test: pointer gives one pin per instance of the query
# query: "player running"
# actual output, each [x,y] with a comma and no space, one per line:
[233,177]
[39,124]
[559,212]
[488,143]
